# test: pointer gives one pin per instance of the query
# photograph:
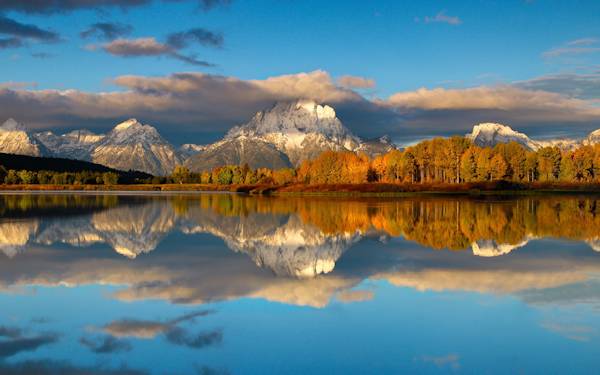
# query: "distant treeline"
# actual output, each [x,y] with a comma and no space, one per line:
[23,169]
[453,160]
[13,177]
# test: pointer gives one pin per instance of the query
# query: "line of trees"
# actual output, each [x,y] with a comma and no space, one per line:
[440,160]
[233,174]
[456,160]
[25,177]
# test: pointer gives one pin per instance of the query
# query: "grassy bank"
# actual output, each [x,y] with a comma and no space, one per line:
[369,189]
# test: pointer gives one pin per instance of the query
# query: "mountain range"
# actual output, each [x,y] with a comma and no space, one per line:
[282,136]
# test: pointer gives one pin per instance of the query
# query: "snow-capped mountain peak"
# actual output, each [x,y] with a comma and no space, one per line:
[285,135]
[300,129]
[131,131]
[321,111]
[490,134]
[14,139]
[131,145]
[127,124]
[296,117]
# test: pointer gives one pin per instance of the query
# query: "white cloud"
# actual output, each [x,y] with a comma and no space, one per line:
[443,18]
[198,103]
[504,98]
[136,47]
[582,42]
[580,46]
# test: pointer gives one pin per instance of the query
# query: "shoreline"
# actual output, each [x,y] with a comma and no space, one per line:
[367,189]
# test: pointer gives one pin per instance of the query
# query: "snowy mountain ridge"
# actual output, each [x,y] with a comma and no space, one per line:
[128,146]
[490,134]
[282,136]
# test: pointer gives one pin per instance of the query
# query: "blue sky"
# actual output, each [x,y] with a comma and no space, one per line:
[400,46]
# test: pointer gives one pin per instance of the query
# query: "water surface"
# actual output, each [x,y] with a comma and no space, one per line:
[228,284]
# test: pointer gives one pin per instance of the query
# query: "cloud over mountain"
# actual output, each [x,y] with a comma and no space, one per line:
[356,82]
[582,86]
[496,97]
[202,103]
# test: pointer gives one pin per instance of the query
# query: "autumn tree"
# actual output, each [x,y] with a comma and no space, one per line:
[284,176]
[567,168]
[468,164]
[583,160]
[12,178]
[498,167]
[180,174]
[422,153]
[515,156]
[484,164]
[549,163]
[27,177]
[109,178]
[408,167]
[531,166]
[458,146]
[393,166]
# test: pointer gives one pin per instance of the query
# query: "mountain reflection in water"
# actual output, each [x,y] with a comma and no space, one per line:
[296,239]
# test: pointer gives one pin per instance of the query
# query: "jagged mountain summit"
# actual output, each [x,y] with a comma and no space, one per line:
[490,134]
[299,129]
[131,145]
[14,139]
[285,135]
[77,144]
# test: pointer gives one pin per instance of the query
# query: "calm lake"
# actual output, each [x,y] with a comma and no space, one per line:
[230,284]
